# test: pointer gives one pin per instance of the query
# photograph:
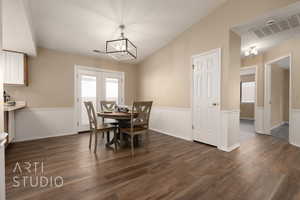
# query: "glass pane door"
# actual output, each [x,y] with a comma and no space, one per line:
[87,91]
[96,85]
[113,87]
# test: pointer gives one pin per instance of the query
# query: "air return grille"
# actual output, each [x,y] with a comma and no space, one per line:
[278,26]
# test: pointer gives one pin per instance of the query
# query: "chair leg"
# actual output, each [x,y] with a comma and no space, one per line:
[121,140]
[115,140]
[147,140]
[96,141]
[132,146]
[90,142]
[107,137]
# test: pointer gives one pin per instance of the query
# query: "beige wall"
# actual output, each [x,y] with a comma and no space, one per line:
[247,109]
[51,78]
[165,76]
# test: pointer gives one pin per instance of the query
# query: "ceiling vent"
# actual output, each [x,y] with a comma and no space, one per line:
[273,27]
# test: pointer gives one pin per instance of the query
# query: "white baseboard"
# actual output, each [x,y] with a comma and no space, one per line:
[172,121]
[171,134]
[247,118]
[37,123]
[231,148]
[277,125]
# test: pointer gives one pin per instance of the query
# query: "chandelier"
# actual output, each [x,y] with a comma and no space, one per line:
[122,48]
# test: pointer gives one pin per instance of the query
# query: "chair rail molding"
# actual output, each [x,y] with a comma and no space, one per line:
[230,130]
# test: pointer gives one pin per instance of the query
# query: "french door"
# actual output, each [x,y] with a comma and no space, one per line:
[206,97]
[94,85]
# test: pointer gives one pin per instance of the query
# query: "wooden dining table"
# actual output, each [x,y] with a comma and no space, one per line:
[122,118]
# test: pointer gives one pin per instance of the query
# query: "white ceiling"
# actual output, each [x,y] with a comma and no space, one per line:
[246,31]
[17,30]
[80,26]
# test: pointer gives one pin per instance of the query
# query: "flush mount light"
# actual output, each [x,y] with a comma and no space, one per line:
[252,51]
[120,49]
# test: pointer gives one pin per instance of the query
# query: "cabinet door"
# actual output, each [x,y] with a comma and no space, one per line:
[14,68]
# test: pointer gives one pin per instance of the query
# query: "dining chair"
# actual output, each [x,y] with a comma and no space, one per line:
[139,122]
[96,128]
[108,106]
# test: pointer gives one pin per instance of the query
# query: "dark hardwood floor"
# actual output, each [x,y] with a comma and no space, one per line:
[263,167]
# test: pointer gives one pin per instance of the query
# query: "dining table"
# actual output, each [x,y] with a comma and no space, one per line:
[123,119]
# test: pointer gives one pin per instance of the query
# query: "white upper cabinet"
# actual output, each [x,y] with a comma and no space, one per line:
[15,69]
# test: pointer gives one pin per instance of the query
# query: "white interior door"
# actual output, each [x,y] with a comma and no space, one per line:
[206,97]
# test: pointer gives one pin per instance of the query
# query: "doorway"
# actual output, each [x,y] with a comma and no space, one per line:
[278,97]
[94,84]
[248,102]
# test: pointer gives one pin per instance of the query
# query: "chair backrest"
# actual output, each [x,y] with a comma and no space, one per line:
[143,109]
[91,114]
[108,106]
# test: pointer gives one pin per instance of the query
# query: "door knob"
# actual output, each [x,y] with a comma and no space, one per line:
[215,104]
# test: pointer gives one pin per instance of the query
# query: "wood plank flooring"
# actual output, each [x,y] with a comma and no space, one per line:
[263,167]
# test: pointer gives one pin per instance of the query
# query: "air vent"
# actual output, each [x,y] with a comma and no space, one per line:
[293,20]
[266,30]
[259,33]
[284,25]
[274,27]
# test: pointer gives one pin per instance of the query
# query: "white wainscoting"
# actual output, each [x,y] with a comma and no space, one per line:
[177,122]
[294,136]
[259,119]
[230,130]
[36,123]
[172,121]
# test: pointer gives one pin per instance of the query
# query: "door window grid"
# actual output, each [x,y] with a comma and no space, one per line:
[248,92]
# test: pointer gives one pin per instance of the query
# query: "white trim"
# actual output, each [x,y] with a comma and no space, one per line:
[277,125]
[219,51]
[48,136]
[247,118]
[231,148]
[171,134]
[267,95]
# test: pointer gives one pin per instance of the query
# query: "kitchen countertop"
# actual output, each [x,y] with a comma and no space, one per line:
[19,105]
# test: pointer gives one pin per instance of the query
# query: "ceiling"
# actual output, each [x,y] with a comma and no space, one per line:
[283,63]
[81,26]
[257,33]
